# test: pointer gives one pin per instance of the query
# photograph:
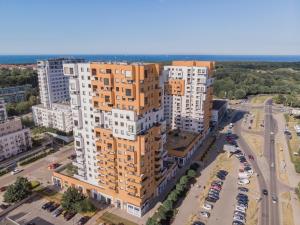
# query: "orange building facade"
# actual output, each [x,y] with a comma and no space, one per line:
[121,113]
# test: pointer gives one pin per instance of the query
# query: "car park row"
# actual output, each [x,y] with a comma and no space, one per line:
[56,211]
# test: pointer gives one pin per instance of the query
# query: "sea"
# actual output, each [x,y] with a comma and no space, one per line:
[29,59]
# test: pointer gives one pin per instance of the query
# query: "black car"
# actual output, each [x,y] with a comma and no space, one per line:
[69,215]
[47,205]
[209,199]
[53,207]
[83,220]
[243,189]
[198,223]
[265,192]
[221,177]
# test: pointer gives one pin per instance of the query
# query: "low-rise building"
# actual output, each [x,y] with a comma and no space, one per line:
[219,109]
[14,139]
[15,93]
[59,116]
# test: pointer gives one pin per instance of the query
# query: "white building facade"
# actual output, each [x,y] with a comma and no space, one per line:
[14,139]
[188,95]
[54,110]
[59,116]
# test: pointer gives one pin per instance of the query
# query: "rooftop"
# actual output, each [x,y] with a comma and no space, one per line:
[180,142]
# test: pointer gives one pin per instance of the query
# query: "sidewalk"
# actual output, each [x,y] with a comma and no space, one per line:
[293,177]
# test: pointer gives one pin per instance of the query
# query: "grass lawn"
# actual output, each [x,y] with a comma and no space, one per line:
[294,143]
[114,219]
[287,210]
[260,99]
[49,194]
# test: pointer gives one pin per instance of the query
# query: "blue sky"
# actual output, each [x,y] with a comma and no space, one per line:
[150,27]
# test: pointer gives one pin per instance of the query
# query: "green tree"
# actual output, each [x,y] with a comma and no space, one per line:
[184,180]
[191,173]
[18,191]
[85,206]
[151,221]
[168,205]
[239,93]
[173,196]
[179,188]
[71,198]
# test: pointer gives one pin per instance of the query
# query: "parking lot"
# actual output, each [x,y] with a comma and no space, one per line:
[32,212]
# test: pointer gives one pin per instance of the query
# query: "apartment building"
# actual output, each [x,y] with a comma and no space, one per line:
[188,95]
[119,132]
[54,110]
[15,93]
[53,85]
[14,139]
[59,116]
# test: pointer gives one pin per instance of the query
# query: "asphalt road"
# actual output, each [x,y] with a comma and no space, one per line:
[39,169]
[264,217]
[269,152]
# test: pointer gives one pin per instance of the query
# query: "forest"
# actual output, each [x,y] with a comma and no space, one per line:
[15,77]
[237,80]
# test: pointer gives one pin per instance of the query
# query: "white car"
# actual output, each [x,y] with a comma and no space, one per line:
[207,206]
[240,208]
[243,182]
[205,214]
[239,218]
[15,171]
[244,175]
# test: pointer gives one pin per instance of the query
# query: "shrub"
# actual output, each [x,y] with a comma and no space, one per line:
[3,172]
[34,184]
[35,158]
[191,173]
[297,167]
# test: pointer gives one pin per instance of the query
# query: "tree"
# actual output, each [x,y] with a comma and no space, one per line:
[168,205]
[191,173]
[173,196]
[71,198]
[162,213]
[18,191]
[179,188]
[184,180]
[151,221]
[240,93]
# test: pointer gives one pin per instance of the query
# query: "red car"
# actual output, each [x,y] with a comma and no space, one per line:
[3,188]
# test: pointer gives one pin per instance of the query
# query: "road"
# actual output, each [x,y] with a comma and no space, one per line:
[38,170]
[269,152]
[264,217]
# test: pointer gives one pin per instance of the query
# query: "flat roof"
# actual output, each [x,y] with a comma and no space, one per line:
[179,142]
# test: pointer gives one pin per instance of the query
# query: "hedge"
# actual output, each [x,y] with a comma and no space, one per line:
[35,158]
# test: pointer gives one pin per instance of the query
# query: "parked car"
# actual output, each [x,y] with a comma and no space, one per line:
[240,209]
[53,166]
[69,215]
[210,199]
[3,188]
[53,207]
[83,220]
[57,212]
[235,222]
[205,214]
[243,181]
[198,223]
[15,171]
[4,206]
[243,189]
[47,205]
[207,206]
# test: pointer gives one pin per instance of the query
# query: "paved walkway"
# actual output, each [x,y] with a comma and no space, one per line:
[293,177]
[190,205]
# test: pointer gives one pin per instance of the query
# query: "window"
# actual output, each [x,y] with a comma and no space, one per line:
[94,71]
[128,92]
[107,99]
[106,81]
